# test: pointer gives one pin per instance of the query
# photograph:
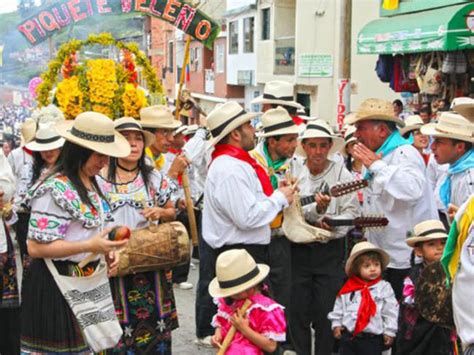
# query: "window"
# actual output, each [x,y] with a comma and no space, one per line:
[265,23]
[234,37]
[195,55]
[219,59]
[248,34]
[170,63]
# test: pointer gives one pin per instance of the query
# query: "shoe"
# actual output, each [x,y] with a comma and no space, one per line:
[192,266]
[204,342]
[185,285]
[289,352]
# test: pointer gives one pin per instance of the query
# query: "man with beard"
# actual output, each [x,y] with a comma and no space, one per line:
[239,202]
[317,268]
[398,187]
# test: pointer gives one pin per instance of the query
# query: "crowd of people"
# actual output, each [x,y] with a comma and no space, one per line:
[347,289]
[11,118]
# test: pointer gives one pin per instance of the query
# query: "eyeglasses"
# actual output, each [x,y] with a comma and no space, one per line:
[165,132]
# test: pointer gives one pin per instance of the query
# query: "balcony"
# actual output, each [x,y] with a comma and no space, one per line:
[284,56]
[209,82]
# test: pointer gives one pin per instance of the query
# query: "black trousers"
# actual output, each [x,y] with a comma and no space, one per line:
[181,272]
[317,276]
[362,344]
[279,260]
[395,277]
[205,308]
[10,331]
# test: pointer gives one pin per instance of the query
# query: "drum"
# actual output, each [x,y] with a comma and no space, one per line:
[156,247]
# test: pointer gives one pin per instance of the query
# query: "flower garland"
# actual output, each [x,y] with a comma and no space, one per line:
[113,99]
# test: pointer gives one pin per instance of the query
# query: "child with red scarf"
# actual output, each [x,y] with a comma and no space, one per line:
[365,313]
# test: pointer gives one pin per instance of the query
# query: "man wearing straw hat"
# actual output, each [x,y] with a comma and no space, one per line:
[239,202]
[453,138]
[274,153]
[398,187]
[316,268]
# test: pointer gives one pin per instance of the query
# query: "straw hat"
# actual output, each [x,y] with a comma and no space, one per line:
[450,125]
[158,116]
[464,106]
[427,230]
[277,92]
[225,118]
[180,129]
[236,271]
[27,130]
[191,129]
[94,131]
[412,123]
[374,109]
[277,122]
[46,138]
[349,135]
[362,248]
[320,129]
[131,124]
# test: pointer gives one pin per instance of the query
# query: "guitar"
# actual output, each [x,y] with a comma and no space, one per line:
[337,190]
[359,222]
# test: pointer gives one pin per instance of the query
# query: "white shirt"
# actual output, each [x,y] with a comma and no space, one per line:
[385,320]
[462,186]
[236,211]
[195,150]
[463,290]
[400,191]
[7,185]
[435,173]
[22,167]
[346,206]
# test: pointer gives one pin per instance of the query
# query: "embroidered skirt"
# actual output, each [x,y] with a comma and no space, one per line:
[9,296]
[146,309]
[47,323]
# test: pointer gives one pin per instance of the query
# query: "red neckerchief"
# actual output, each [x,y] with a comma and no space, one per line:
[367,308]
[177,152]
[239,153]
[297,120]
[27,151]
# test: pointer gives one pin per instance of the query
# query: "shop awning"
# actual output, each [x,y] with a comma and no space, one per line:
[444,29]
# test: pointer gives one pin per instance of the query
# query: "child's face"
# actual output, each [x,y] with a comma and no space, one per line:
[431,250]
[244,294]
[370,269]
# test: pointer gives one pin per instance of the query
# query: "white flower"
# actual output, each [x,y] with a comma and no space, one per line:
[160,325]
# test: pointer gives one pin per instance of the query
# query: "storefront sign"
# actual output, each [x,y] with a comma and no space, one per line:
[315,65]
[51,19]
[343,100]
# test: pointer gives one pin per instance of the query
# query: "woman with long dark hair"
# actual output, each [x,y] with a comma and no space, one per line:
[66,225]
[139,194]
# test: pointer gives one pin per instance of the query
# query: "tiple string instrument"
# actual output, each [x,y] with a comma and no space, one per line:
[361,222]
[337,190]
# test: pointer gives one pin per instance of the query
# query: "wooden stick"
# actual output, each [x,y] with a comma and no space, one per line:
[230,335]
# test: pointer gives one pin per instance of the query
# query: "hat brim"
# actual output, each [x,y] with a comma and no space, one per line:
[430,130]
[280,132]
[216,291]
[337,144]
[414,240]
[173,125]
[410,128]
[260,100]
[385,259]
[239,121]
[37,147]
[465,110]
[119,148]
[353,119]
[149,137]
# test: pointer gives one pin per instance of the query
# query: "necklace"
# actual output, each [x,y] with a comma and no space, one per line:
[128,170]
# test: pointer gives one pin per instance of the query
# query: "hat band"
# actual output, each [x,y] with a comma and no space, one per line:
[318,128]
[100,138]
[349,136]
[218,130]
[128,125]
[273,97]
[240,280]
[432,231]
[278,126]
[47,140]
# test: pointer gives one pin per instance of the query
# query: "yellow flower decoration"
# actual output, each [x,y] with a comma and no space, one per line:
[133,101]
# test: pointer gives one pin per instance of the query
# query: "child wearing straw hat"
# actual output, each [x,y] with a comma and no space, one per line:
[417,334]
[365,313]
[237,283]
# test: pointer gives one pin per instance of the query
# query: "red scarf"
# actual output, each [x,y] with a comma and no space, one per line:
[27,151]
[239,153]
[297,120]
[367,308]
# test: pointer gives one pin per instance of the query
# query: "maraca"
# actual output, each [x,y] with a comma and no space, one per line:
[120,233]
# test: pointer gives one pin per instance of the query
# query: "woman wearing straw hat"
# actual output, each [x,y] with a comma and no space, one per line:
[352,164]
[453,144]
[316,268]
[67,218]
[137,194]
[397,183]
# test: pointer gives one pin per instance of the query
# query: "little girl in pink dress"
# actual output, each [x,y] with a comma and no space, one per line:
[263,324]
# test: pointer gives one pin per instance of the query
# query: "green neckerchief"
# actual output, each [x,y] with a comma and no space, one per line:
[273,166]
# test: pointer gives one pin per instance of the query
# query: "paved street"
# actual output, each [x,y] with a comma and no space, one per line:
[183,337]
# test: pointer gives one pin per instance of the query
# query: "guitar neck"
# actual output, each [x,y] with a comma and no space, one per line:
[339,222]
[306,200]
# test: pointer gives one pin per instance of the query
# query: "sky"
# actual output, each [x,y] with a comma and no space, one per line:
[7,6]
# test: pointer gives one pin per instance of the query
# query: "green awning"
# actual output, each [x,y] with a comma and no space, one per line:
[444,29]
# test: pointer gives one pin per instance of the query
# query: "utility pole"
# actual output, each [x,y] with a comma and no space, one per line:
[344,81]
